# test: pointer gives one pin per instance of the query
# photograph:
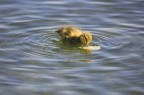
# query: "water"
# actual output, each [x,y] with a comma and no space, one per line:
[33,63]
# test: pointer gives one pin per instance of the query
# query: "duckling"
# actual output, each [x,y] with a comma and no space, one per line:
[73,36]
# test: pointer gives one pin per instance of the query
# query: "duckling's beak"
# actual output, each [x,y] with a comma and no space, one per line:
[56,31]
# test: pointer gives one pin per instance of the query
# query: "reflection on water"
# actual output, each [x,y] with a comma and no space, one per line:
[32,62]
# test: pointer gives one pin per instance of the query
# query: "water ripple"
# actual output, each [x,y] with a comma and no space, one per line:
[32,62]
[109,38]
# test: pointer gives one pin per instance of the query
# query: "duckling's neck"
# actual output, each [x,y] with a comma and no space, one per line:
[74,41]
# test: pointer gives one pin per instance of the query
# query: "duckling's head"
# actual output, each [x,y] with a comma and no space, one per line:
[85,38]
[67,32]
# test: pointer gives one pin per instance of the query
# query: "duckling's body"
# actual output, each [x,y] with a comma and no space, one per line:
[67,32]
[73,36]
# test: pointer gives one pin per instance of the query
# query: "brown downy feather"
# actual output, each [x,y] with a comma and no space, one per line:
[73,36]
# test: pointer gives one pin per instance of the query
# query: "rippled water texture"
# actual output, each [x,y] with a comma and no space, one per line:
[32,62]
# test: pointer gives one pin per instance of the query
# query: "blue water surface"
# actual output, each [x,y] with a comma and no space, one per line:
[33,63]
